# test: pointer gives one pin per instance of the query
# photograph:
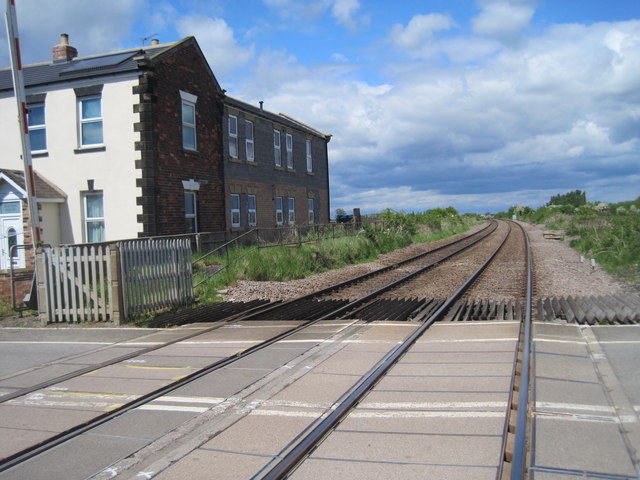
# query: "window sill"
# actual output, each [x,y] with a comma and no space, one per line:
[235,160]
[277,167]
[311,173]
[253,163]
[291,170]
[99,148]
[40,154]
[16,271]
[188,150]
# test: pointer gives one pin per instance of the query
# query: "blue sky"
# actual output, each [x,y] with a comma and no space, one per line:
[478,104]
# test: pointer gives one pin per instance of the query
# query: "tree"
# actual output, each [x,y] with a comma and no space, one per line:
[576,198]
[340,211]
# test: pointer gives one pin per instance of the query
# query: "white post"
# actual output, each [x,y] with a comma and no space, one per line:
[18,87]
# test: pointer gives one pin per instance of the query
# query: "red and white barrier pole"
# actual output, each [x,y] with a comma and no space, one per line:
[18,87]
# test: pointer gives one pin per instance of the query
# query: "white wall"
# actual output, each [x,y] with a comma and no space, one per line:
[112,170]
[50,224]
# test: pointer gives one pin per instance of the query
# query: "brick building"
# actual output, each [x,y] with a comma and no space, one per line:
[276,169]
[137,143]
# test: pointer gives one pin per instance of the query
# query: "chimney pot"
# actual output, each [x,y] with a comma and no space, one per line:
[63,52]
[261,105]
[155,41]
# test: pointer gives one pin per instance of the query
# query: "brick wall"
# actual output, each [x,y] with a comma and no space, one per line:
[266,194]
[164,162]
[271,180]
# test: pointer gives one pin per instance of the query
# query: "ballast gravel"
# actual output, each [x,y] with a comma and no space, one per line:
[558,270]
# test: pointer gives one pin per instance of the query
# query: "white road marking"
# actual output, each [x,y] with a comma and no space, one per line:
[432,405]
[205,400]
[383,414]
[47,342]
[173,408]
[284,413]
[218,342]
[424,414]
[575,407]
[469,340]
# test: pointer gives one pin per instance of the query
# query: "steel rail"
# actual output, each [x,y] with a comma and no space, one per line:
[62,437]
[250,313]
[519,467]
[352,281]
[356,305]
[126,356]
[297,451]
[479,235]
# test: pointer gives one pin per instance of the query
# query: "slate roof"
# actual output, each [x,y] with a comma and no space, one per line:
[276,117]
[105,64]
[44,188]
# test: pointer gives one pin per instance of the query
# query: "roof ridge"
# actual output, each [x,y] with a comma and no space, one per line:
[97,55]
[289,117]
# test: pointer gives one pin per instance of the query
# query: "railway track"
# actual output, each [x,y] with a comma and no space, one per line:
[336,310]
[319,325]
[224,315]
[514,451]
[309,307]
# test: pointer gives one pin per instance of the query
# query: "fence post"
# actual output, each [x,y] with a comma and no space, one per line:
[115,290]
[43,295]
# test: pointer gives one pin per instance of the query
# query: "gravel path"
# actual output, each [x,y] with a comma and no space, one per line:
[559,271]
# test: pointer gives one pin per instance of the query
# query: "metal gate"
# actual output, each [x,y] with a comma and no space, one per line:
[155,274]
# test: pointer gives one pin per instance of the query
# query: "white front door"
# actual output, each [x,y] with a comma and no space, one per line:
[11,234]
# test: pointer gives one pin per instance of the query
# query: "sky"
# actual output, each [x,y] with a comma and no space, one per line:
[475,104]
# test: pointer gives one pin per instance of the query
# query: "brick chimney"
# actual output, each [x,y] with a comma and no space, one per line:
[63,52]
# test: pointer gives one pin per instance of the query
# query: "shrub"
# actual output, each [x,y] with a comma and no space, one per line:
[576,198]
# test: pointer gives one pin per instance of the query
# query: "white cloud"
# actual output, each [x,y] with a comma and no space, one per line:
[339,57]
[503,19]
[509,122]
[305,9]
[418,33]
[345,12]
[217,41]
[560,111]
[40,23]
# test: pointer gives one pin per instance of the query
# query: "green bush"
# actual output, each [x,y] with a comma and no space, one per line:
[281,263]
[576,198]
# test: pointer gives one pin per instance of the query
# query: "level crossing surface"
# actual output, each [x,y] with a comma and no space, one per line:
[441,412]
[586,401]
[29,356]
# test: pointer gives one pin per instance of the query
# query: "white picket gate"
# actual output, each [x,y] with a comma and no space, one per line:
[78,281]
[111,282]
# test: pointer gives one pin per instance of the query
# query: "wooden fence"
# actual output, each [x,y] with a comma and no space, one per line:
[111,282]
